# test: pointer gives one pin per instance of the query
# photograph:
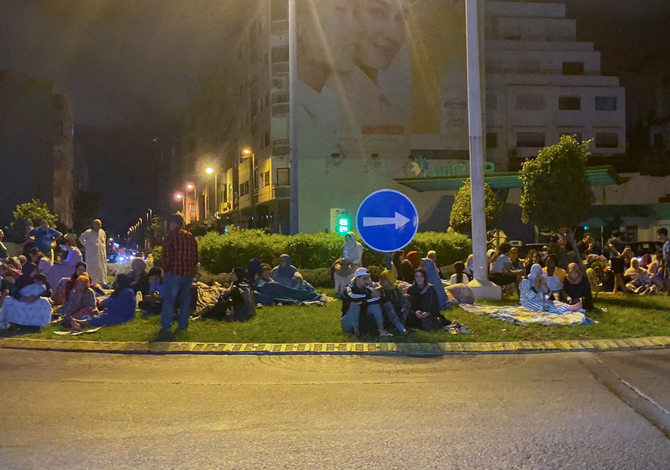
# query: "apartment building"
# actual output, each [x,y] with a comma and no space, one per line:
[403,109]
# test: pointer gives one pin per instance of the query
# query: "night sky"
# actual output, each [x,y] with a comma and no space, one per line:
[130,67]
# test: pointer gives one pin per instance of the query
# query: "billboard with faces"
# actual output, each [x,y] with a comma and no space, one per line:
[380,77]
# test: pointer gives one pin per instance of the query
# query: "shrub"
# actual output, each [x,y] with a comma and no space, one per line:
[221,253]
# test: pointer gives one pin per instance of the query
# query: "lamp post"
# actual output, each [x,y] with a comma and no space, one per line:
[179,198]
[248,153]
[211,171]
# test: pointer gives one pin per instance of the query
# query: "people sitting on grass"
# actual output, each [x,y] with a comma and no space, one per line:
[38,262]
[403,267]
[517,264]
[424,312]
[254,270]
[9,286]
[358,301]
[394,303]
[33,309]
[267,292]
[65,286]
[656,272]
[589,245]
[577,287]
[502,272]
[139,278]
[637,279]
[346,265]
[284,272]
[152,303]
[237,303]
[414,260]
[70,257]
[81,301]
[433,277]
[533,257]
[534,293]
[119,308]
[461,276]
[555,276]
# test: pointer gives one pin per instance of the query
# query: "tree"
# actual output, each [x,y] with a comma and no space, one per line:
[30,213]
[556,189]
[461,212]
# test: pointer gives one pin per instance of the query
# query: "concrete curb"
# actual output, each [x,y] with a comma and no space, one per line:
[405,349]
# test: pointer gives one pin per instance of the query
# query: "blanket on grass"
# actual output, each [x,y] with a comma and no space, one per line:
[523,316]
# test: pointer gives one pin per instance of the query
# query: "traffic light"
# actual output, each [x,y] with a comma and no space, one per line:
[343,225]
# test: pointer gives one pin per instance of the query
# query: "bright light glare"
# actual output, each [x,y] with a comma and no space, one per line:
[178,196]
[209,170]
[189,186]
[246,151]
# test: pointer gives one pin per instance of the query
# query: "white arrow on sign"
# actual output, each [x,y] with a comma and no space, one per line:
[399,221]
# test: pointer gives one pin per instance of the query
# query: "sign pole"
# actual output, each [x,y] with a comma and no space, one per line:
[482,287]
[293,131]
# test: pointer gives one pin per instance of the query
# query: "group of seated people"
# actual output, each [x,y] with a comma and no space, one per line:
[27,300]
[369,308]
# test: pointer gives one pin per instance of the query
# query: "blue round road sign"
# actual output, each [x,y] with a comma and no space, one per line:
[387,220]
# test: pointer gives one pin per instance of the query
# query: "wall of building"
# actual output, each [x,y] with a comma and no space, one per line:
[36,145]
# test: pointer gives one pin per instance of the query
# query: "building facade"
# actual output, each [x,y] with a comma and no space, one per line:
[36,145]
[381,95]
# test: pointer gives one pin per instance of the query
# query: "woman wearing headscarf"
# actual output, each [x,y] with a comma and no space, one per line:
[414,258]
[71,256]
[284,273]
[393,301]
[119,308]
[433,277]
[346,266]
[577,286]
[533,292]
[32,310]
[424,312]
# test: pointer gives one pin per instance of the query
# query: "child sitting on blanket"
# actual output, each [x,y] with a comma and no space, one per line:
[152,303]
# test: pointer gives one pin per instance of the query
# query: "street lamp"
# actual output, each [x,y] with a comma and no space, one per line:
[246,153]
[211,171]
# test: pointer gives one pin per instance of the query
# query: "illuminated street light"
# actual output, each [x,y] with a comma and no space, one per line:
[209,170]
[190,186]
[178,196]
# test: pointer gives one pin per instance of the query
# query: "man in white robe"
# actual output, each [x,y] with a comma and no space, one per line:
[95,244]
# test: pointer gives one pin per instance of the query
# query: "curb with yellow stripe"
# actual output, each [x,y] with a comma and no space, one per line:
[418,349]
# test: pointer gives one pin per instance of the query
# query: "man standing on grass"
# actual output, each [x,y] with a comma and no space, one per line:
[180,263]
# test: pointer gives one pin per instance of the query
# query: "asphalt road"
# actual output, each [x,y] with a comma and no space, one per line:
[545,411]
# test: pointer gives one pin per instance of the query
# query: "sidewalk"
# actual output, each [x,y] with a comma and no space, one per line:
[406,349]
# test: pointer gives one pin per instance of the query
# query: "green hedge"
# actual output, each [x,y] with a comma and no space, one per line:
[221,253]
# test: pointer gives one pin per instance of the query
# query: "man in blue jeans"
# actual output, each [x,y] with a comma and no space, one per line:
[360,298]
[180,263]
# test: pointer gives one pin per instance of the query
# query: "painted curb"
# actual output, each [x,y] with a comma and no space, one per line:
[400,349]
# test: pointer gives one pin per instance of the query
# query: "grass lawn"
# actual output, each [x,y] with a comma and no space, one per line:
[617,317]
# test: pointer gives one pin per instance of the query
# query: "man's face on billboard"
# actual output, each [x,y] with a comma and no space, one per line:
[383,32]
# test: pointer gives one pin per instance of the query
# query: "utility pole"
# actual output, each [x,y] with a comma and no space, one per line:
[481,285]
[293,131]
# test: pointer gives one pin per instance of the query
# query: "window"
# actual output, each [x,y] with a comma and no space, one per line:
[266,140]
[530,139]
[283,176]
[491,102]
[607,140]
[573,68]
[606,103]
[491,140]
[530,102]
[266,178]
[576,135]
[569,103]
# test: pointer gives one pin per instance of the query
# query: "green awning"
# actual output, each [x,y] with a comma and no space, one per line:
[598,176]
